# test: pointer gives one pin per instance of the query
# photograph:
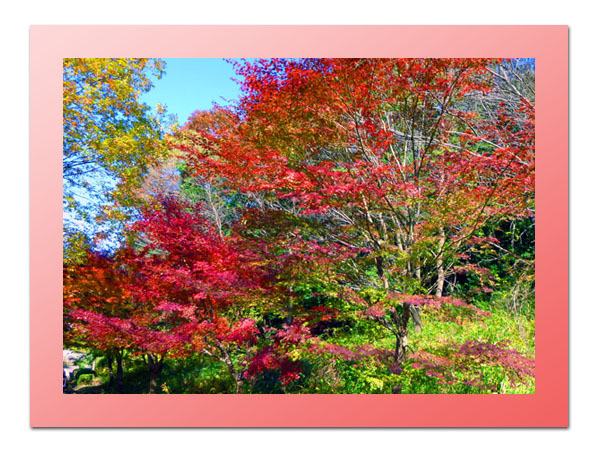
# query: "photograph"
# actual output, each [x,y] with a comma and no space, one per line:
[299,225]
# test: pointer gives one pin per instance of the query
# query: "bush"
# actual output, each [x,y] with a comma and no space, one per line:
[85,378]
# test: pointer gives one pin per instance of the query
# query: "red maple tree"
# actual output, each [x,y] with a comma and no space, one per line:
[381,156]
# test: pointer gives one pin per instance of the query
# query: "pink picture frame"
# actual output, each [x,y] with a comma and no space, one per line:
[548,407]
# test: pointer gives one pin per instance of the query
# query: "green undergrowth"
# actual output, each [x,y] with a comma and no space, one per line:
[437,337]
[331,374]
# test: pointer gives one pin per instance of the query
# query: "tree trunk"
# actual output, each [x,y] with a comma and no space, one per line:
[154,367]
[239,384]
[415,312]
[237,377]
[153,377]
[381,272]
[111,378]
[290,311]
[401,346]
[441,273]
[401,320]
[119,358]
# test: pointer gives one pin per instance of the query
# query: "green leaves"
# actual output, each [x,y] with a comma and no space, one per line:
[110,138]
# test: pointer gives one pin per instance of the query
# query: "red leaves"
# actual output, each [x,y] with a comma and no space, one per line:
[293,334]
[204,276]
[268,359]
[370,173]
[243,332]
[469,358]
[95,302]
[174,295]
[187,261]
[103,332]
[278,355]
[331,134]
[498,354]
[320,314]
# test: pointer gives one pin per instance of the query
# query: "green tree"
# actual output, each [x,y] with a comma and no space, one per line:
[110,138]
[106,129]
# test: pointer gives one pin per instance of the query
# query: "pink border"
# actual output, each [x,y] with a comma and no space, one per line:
[548,407]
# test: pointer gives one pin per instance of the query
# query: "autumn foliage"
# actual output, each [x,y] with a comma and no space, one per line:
[337,207]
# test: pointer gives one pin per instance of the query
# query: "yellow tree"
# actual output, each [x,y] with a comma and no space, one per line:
[110,138]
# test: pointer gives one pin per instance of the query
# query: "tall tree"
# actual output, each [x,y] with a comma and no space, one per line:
[381,153]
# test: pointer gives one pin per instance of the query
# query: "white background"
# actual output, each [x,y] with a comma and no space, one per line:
[584,246]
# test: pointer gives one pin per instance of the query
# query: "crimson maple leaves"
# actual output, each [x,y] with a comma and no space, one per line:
[185,290]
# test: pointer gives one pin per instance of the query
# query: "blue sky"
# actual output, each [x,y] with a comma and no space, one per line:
[191,84]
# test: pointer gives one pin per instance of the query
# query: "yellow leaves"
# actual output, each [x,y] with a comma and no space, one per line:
[295,354]
[111,140]
[75,246]
[375,382]
[161,109]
